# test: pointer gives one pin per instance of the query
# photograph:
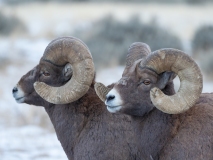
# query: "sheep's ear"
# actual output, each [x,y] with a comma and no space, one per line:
[165,78]
[67,71]
[101,90]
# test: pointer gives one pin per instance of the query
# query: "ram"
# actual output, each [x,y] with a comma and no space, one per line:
[172,125]
[63,83]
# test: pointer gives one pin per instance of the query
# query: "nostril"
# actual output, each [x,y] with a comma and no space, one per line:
[110,97]
[15,89]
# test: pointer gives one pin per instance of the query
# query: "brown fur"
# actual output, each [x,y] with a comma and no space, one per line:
[86,130]
[193,138]
[163,136]
[175,137]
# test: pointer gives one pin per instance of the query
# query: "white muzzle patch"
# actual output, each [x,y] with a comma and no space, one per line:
[113,104]
[19,95]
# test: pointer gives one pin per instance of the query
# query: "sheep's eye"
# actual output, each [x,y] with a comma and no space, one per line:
[146,82]
[46,74]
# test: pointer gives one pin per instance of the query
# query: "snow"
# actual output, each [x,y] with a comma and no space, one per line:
[30,142]
[25,131]
[57,19]
[30,50]
[21,132]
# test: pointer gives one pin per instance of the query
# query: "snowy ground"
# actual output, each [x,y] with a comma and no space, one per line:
[30,143]
[58,19]
[25,131]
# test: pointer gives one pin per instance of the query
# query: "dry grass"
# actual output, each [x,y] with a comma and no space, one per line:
[54,19]
[181,19]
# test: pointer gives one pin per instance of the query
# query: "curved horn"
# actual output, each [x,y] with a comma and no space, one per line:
[137,50]
[101,90]
[62,51]
[191,81]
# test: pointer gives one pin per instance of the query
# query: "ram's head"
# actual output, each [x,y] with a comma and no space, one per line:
[63,75]
[146,77]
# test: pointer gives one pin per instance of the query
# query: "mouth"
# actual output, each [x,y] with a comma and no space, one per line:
[113,106]
[19,94]
[113,109]
[20,99]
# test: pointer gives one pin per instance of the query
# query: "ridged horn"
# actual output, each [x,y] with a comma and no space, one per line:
[62,51]
[137,50]
[101,90]
[191,80]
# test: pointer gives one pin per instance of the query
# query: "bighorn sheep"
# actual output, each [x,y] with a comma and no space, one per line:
[174,126]
[83,125]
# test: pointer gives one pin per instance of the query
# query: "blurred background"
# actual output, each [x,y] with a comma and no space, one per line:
[108,28]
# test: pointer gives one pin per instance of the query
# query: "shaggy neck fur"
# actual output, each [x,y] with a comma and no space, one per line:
[183,136]
[87,130]
[155,129]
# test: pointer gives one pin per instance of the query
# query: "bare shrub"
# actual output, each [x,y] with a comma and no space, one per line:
[109,39]
[3,62]
[9,24]
[202,46]
[197,1]
[207,65]
[135,1]
[203,39]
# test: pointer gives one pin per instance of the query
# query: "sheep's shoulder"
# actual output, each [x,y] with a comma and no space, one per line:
[194,136]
